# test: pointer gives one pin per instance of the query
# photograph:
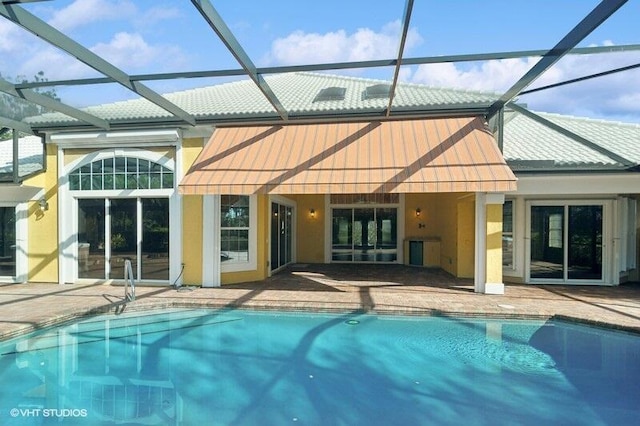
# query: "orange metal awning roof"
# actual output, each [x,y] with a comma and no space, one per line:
[404,156]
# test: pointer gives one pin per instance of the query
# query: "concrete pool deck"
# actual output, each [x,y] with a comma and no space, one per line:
[337,288]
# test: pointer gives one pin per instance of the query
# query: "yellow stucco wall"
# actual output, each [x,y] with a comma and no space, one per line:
[446,225]
[192,239]
[465,249]
[449,217]
[494,243]
[42,250]
[310,231]
[428,205]
[192,219]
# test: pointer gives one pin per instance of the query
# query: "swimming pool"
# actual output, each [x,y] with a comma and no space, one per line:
[241,367]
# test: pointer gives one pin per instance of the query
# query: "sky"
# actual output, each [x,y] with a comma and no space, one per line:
[155,36]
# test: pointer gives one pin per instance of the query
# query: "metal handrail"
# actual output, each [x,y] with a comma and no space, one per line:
[129,282]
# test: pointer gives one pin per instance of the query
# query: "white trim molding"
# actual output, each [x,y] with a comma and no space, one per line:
[109,139]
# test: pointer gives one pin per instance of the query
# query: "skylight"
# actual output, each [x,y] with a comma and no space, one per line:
[331,94]
[377,91]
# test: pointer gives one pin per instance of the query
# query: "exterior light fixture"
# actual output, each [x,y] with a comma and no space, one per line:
[418,212]
[312,213]
[44,206]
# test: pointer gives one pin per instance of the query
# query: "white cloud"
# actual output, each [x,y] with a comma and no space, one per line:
[88,12]
[9,37]
[55,64]
[364,44]
[491,75]
[127,49]
[130,51]
[154,15]
[614,95]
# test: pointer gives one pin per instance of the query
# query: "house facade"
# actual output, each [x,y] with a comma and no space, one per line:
[240,196]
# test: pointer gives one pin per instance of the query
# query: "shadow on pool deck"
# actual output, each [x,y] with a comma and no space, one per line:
[388,289]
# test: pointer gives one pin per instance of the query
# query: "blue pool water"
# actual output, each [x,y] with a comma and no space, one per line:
[266,368]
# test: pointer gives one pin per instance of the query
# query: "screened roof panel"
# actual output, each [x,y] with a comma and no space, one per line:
[314,31]
[139,37]
[459,26]
[156,47]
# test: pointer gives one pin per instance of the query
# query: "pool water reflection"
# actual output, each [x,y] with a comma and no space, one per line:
[241,367]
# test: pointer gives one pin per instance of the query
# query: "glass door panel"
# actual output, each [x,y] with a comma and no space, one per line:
[281,235]
[124,236]
[91,238]
[585,243]
[275,236]
[155,239]
[547,242]
[290,238]
[364,235]
[7,241]
[342,235]
[387,235]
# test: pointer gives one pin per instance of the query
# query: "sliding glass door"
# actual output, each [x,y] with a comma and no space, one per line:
[8,242]
[566,242]
[111,230]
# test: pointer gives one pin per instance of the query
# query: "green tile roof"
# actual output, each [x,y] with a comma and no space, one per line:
[296,92]
[530,145]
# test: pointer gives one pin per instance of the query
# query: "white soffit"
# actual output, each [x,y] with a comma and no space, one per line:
[595,184]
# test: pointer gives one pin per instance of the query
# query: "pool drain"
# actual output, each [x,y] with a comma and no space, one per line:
[352,322]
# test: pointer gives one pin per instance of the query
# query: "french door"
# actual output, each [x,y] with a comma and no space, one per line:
[367,234]
[566,242]
[111,230]
[281,235]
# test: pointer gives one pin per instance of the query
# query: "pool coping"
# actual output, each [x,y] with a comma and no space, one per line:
[140,307]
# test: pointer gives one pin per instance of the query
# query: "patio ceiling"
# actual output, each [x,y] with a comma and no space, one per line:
[109,74]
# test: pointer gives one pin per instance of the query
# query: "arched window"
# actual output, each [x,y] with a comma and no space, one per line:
[120,173]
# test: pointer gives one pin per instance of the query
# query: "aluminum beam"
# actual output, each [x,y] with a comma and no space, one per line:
[579,79]
[406,18]
[597,16]
[46,32]
[17,125]
[52,104]
[218,25]
[586,142]
[333,66]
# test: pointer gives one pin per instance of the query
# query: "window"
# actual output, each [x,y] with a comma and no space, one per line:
[234,229]
[330,94]
[120,173]
[507,235]
[377,91]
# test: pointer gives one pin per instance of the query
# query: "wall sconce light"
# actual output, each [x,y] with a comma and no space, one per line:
[44,206]
[418,212]
[312,213]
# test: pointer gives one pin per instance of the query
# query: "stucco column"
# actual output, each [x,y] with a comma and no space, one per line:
[488,244]
[211,241]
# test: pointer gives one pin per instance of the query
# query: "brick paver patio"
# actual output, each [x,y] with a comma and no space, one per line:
[376,288]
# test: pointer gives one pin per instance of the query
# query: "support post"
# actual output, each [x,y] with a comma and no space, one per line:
[488,244]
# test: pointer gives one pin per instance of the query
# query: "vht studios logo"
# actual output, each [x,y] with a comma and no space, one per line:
[48,412]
